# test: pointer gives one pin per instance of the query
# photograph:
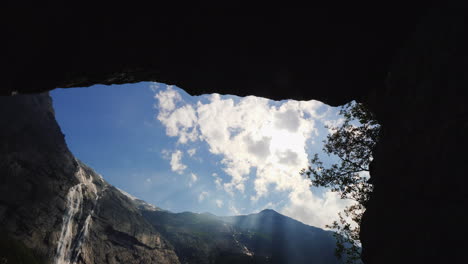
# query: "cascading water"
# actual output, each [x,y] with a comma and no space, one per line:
[74,200]
[244,249]
[85,230]
[69,245]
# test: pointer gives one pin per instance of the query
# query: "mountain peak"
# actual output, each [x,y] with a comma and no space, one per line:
[268,211]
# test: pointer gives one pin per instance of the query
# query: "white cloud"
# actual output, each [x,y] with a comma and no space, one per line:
[167,99]
[269,205]
[287,120]
[259,148]
[202,196]
[331,123]
[218,181]
[176,164]
[179,122]
[288,157]
[219,203]
[154,86]
[166,154]
[192,151]
[193,179]
[253,134]
[312,210]
[234,210]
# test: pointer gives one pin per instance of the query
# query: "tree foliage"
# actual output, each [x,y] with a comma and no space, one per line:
[352,143]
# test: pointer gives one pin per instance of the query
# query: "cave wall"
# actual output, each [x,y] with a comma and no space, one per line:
[419,168]
[406,61]
[277,51]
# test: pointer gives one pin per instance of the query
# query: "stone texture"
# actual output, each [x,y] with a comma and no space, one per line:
[36,173]
[120,234]
[35,169]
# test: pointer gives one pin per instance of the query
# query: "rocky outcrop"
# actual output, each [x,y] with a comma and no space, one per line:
[59,207]
[126,235]
[36,171]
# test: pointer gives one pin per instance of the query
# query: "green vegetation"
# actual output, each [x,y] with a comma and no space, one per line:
[352,143]
[14,252]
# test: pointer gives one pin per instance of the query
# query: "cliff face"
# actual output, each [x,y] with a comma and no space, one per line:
[58,206]
[106,227]
[35,171]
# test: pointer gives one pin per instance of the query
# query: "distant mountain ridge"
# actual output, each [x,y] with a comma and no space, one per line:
[264,237]
[58,210]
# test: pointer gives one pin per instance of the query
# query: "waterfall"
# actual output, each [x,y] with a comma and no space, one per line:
[69,246]
[244,249]
[74,201]
[85,230]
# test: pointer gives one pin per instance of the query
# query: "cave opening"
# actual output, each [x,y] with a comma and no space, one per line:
[221,154]
[422,102]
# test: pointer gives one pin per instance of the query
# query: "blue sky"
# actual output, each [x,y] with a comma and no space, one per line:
[212,153]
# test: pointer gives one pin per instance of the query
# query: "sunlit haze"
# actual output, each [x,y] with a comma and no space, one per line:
[222,154]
